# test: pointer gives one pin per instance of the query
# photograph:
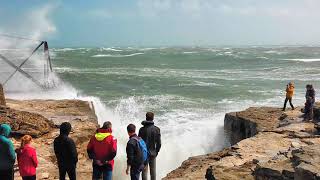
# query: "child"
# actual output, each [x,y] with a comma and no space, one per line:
[27,159]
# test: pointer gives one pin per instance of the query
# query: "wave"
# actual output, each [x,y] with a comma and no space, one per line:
[111,49]
[190,52]
[303,60]
[116,55]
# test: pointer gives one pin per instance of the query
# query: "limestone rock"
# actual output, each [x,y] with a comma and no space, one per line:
[268,144]
[23,122]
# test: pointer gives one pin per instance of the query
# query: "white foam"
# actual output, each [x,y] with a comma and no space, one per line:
[116,55]
[111,49]
[303,60]
[190,52]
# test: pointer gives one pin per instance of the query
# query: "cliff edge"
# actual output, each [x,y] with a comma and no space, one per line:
[266,144]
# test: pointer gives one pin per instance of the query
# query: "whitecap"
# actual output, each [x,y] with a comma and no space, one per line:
[190,52]
[303,60]
[116,55]
[111,49]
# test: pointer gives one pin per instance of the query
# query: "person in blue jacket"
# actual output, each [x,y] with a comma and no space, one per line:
[7,154]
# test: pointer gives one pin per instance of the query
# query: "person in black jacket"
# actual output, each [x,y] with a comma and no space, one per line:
[151,135]
[66,153]
[134,158]
[209,174]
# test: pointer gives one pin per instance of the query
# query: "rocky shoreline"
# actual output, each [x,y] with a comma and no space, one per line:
[41,119]
[267,143]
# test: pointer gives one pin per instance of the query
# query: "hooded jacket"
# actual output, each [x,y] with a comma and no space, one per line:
[65,150]
[134,158]
[7,154]
[290,91]
[152,136]
[103,147]
[27,160]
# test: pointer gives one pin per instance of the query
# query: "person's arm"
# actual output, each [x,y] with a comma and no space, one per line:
[113,153]
[56,149]
[130,154]
[158,141]
[73,150]
[34,158]
[90,149]
[12,154]
[114,148]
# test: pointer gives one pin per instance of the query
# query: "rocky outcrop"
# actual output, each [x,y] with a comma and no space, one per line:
[29,116]
[245,124]
[2,98]
[23,122]
[282,147]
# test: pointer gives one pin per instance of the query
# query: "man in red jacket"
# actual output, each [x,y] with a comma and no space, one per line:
[102,149]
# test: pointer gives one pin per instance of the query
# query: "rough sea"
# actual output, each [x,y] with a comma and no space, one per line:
[189,88]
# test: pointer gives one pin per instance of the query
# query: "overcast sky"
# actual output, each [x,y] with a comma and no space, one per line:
[164,22]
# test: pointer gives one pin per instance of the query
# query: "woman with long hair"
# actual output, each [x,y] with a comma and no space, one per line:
[27,159]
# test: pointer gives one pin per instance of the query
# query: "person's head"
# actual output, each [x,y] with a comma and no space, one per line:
[149,116]
[5,130]
[65,128]
[290,83]
[26,139]
[131,129]
[308,86]
[107,125]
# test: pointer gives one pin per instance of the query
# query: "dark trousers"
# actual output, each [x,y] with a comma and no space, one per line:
[6,174]
[308,112]
[29,177]
[285,103]
[71,173]
[101,171]
[135,173]
[152,166]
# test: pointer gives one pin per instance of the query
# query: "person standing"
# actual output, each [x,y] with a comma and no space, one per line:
[102,149]
[135,163]
[310,100]
[209,174]
[289,95]
[66,153]
[7,154]
[151,135]
[27,159]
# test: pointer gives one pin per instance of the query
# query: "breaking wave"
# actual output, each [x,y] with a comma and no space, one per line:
[116,55]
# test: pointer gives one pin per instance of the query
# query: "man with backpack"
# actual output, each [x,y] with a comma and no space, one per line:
[151,135]
[102,149]
[137,153]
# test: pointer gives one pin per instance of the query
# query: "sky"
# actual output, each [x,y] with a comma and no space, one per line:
[79,23]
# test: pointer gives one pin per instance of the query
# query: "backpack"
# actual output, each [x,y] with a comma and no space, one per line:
[143,150]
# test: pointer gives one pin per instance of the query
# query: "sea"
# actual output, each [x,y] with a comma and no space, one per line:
[188,88]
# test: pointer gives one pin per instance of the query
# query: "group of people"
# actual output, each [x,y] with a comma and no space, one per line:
[310,100]
[142,150]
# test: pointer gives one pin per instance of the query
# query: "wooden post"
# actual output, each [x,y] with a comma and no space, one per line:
[2,97]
